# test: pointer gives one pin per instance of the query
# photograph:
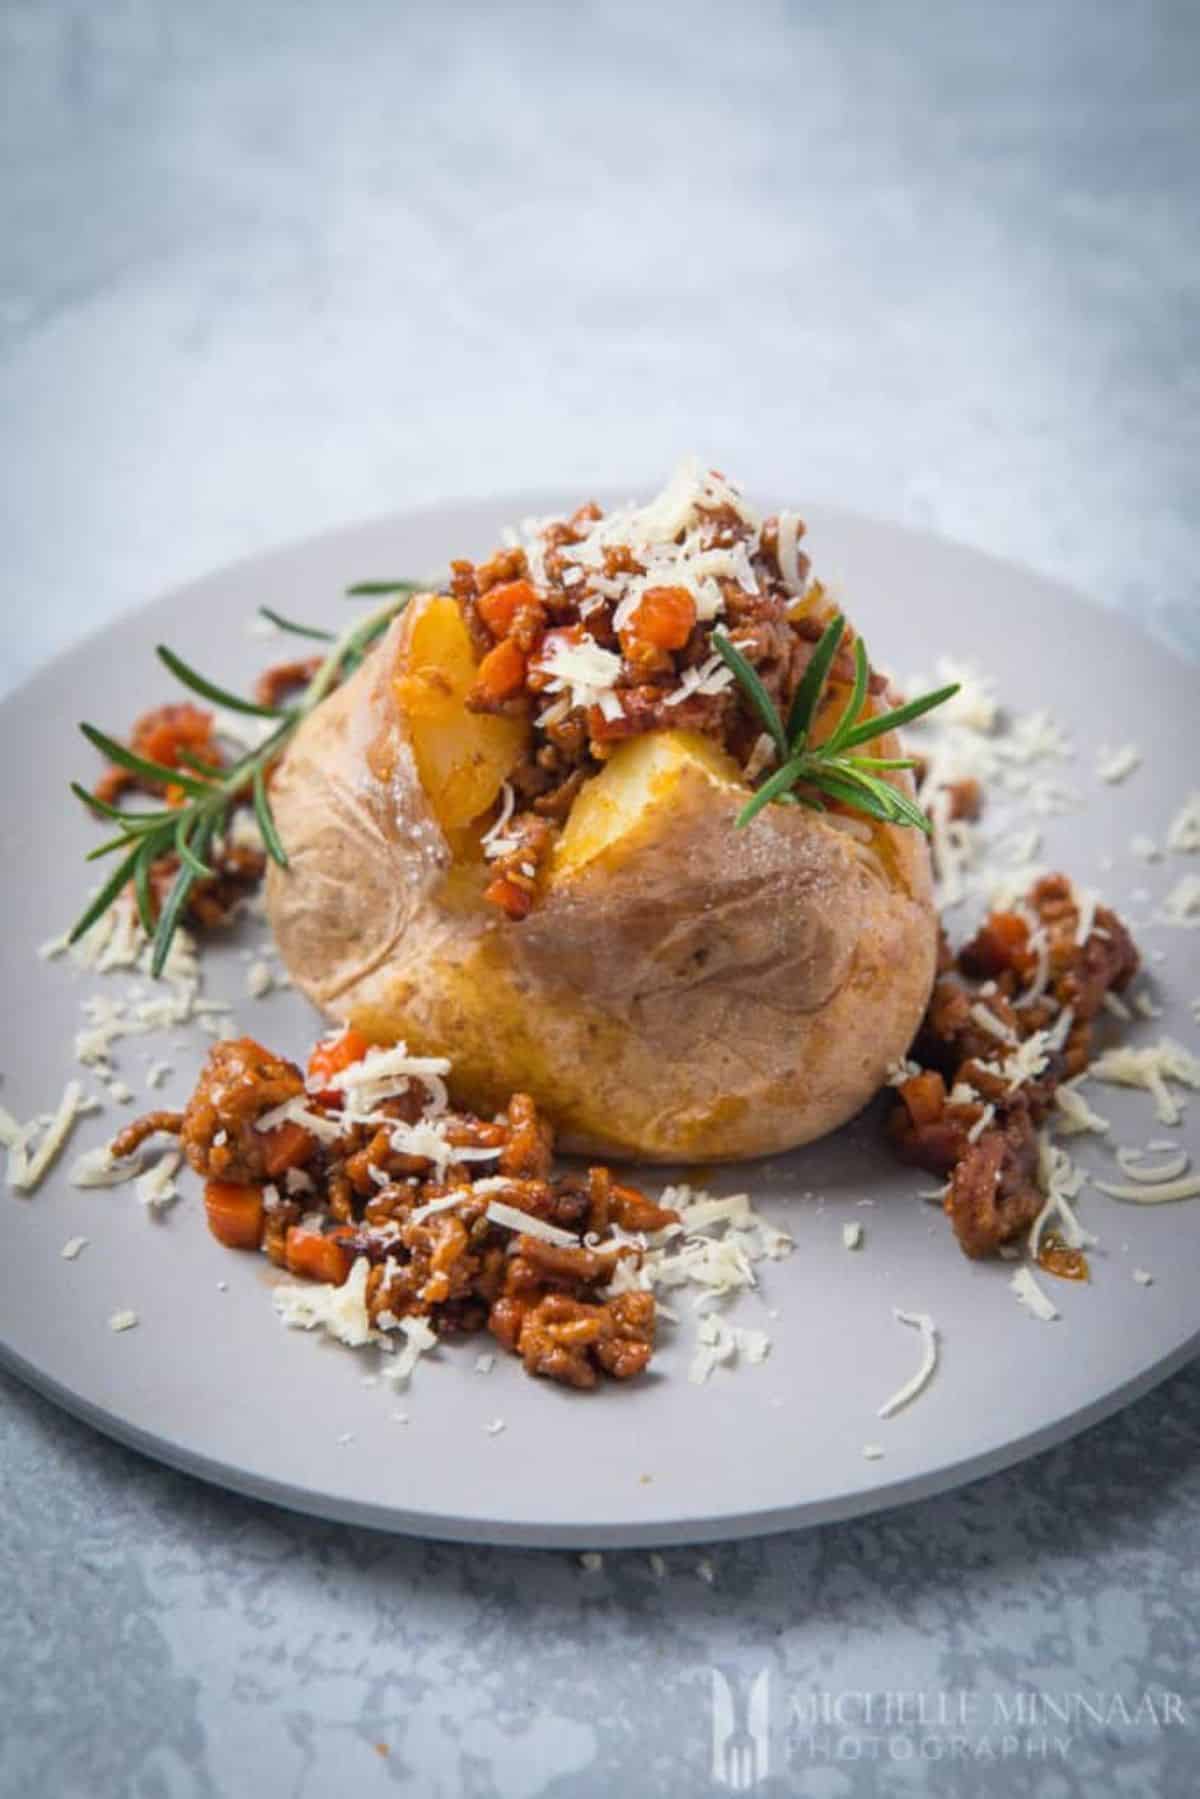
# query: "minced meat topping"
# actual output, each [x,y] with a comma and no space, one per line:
[1010,1019]
[600,627]
[461,1220]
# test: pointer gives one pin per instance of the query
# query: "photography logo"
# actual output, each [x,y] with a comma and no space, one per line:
[741,1723]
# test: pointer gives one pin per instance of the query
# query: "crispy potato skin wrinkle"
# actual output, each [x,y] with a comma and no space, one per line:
[684,991]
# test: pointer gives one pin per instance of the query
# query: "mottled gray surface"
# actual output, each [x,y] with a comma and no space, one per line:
[266,267]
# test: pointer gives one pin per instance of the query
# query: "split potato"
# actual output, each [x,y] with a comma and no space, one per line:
[683,991]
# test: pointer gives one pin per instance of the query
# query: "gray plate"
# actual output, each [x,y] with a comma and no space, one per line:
[211,1383]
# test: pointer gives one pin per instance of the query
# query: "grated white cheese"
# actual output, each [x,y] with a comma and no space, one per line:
[1032,1297]
[515,1220]
[27,1164]
[156,1188]
[1133,1163]
[123,1321]
[1150,1068]
[690,1253]
[419,1338]
[259,979]
[787,553]
[445,1202]
[1182,904]
[872,1452]
[294,1111]
[1087,900]
[1142,1278]
[1165,1193]
[1060,1181]
[1116,765]
[712,676]
[986,1019]
[904,1395]
[591,1561]
[718,1342]
[484,1364]
[493,841]
[97,1168]
[586,672]
[1074,1115]
[1183,833]
[341,1311]
[901,1070]
[427,1139]
[72,1248]
[495,1427]
[852,1236]
[384,1074]
[981,1124]
[1144,848]
[974,707]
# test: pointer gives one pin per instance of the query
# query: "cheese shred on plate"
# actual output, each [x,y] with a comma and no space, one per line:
[1151,1068]
[342,1311]
[1031,1296]
[920,1321]
[27,1163]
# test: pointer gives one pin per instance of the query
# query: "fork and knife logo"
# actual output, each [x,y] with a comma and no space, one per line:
[740,1729]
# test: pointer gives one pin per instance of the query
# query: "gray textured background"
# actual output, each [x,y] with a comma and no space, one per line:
[267,267]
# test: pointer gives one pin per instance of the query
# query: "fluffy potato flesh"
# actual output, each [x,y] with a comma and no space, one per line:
[463,758]
[639,777]
[684,991]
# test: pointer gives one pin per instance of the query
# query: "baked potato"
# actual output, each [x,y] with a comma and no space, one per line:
[680,991]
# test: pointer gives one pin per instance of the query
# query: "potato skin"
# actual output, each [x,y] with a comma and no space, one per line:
[691,994]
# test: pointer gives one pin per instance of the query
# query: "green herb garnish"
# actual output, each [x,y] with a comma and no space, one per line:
[829,768]
[189,830]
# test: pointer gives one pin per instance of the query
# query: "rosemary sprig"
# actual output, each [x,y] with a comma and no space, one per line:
[289,624]
[189,830]
[808,770]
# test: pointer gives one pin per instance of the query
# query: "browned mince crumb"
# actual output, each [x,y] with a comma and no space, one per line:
[993,1194]
[283,679]
[543,1301]
[239,1083]
[237,872]
[162,735]
[965,798]
[149,1125]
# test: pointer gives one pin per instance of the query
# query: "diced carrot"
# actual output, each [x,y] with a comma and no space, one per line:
[510,896]
[1009,928]
[501,673]
[235,1213]
[333,1056]
[925,1096]
[1001,943]
[664,618]
[317,1257]
[498,607]
[287,1146]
